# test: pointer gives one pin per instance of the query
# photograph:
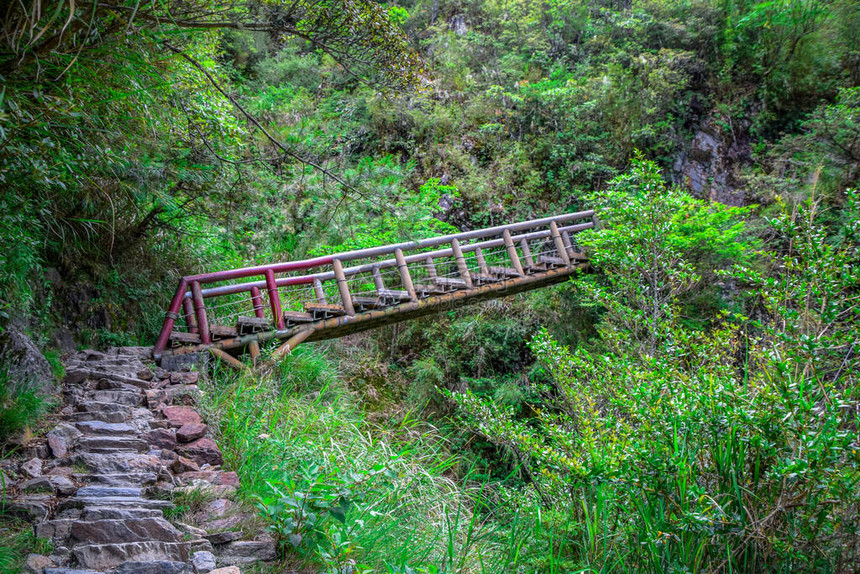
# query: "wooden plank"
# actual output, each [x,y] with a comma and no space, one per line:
[557,261]
[367,302]
[425,291]
[394,294]
[223,331]
[250,325]
[504,272]
[182,337]
[482,278]
[320,311]
[298,317]
[451,283]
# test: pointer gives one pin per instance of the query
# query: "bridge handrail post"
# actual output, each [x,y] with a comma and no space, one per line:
[527,253]
[405,277]
[274,300]
[512,252]
[200,310]
[559,244]
[482,263]
[343,287]
[190,318]
[257,302]
[431,269]
[318,291]
[462,268]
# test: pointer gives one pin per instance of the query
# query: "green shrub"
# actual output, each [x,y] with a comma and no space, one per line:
[20,406]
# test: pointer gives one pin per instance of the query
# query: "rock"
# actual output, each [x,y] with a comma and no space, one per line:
[190,530]
[103,428]
[35,506]
[203,562]
[190,432]
[223,537]
[95,490]
[107,556]
[63,485]
[226,570]
[121,531]
[162,438]
[216,477]
[36,564]
[69,571]
[23,361]
[145,374]
[112,444]
[184,378]
[57,529]
[104,513]
[218,507]
[120,462]
[155,567]
[62,439]
[129,398]
[245,552]
[202,451]
[181,416]
[32,468]
[40,483]
[183,465]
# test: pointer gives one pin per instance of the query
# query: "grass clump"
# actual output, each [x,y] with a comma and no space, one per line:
[16,542]
[20,406]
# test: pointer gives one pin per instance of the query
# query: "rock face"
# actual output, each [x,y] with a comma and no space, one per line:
[711,167]
[94,498]
[23,360]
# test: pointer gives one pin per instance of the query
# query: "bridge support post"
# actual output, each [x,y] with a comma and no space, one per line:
[461,263]
[343,287]
[512,252]
[275,300]
[405,278]
[559,244]
[200,310]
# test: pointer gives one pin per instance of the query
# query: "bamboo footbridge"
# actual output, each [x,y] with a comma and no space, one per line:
[335,295]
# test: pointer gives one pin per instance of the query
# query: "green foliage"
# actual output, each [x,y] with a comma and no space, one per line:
[16,542]
[20,406]
[676,450]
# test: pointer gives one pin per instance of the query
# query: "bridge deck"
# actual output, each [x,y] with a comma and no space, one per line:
[336,295]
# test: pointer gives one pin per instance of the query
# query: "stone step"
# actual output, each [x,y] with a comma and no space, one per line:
[106,513]
[132,399]
[112,444]
[94,427]
[114,417]
[113,502]
[120,478]
[70,571]
[99,490]
[108,556]
[154,567]
[115,531]
[119,462]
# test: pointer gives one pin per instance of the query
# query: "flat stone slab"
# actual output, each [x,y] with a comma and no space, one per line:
[98,490]
[158,567]
[107,556]
[94,427]
[113,531]
[120,462]
[112,444]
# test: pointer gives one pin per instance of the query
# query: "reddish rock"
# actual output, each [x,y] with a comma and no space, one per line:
[184,378]
[162,438]
[203,451]
[144,375]
[181,416]
[185,465]
[188,433]
[154,397]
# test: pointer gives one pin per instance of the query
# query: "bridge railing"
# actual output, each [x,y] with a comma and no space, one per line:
[280,295]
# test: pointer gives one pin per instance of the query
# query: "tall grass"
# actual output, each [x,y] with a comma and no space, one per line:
[20,406]
[299,431]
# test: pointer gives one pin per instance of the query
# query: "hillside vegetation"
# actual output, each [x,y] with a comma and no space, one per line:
[691,406]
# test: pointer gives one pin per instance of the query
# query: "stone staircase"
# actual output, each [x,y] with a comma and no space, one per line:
[127,436]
